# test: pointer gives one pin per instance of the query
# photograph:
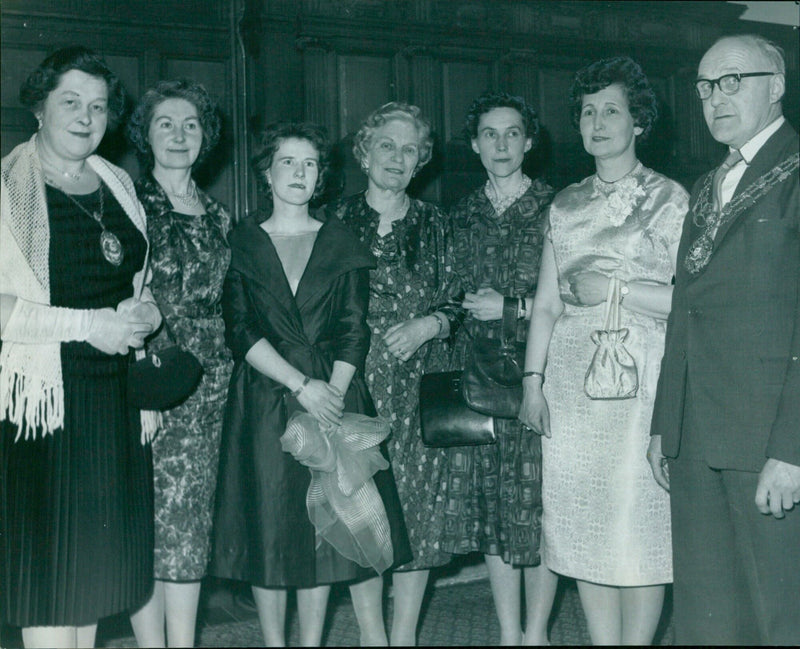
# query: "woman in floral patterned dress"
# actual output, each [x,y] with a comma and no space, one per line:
[494,492]
[174,126]
[408,320]
[606,521]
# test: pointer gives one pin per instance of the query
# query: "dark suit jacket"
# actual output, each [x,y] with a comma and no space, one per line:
[733,336]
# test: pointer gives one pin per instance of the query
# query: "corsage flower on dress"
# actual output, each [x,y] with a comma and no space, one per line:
[621,197]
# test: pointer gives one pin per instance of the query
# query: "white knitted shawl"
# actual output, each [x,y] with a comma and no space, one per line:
[31,383]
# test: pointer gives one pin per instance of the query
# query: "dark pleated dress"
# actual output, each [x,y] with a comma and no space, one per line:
[76,513]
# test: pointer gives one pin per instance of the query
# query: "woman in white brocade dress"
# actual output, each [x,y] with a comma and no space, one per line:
[606,521]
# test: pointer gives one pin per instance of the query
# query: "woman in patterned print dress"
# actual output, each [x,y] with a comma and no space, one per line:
[493,498]
[175,126]
[410,240]
[606,521]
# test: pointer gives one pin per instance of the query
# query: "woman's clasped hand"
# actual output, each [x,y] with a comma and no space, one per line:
[322,400]
[405,338]
[115,331]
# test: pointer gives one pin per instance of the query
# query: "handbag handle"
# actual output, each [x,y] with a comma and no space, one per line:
[508,331]
[611,321]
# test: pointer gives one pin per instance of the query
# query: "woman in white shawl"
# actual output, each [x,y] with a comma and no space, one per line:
[76,518]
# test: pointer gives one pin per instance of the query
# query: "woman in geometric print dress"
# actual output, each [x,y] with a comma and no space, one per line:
[606,521]
[175,126]
[493,492]
[410,240]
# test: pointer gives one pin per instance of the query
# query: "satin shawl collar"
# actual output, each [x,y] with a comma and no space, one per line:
[336,251]
[779,146]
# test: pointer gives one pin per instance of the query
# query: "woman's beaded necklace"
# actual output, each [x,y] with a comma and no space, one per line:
[190,199]
[501,203]
[68,175]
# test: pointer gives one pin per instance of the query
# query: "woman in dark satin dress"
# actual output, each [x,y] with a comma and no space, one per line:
[294,303]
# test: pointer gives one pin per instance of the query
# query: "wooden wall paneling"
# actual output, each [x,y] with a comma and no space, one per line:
[301,55]
[567,162]
[141,43]
[522,74]
[115,146]
[277,79]
[365,82]
[186,12]
[426,91]
[321,91]
[18,124]
[463,80]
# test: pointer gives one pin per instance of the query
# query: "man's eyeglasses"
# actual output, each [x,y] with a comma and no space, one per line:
[728,83]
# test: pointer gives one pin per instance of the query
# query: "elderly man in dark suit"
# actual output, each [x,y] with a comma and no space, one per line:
[726,424]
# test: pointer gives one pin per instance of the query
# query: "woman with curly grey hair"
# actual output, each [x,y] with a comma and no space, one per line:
[606,522]
[174,126]
[408,321]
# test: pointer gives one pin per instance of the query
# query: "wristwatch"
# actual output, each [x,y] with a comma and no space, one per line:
[623,292]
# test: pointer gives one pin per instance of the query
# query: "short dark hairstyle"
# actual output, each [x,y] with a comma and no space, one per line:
[191,91]
[386,113]
[270,140]
[626,72]
[491,100]
[46,77]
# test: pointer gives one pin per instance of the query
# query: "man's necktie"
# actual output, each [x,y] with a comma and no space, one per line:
[719,175]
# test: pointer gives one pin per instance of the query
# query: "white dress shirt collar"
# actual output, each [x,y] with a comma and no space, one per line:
[754,144]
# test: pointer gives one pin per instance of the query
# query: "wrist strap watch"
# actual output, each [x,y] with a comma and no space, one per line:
[623,292]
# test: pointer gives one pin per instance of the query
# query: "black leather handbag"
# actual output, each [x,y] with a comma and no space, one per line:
[445,418]
[492,381]
[163,379]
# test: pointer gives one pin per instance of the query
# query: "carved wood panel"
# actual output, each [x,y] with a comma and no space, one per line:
[141,42]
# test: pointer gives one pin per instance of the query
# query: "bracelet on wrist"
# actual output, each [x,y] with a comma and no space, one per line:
[439,322]
[296,393]
[539,374]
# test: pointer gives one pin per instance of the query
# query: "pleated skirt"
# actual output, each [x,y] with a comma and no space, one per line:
[76,508]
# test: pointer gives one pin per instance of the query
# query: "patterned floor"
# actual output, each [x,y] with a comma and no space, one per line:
[458,611]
